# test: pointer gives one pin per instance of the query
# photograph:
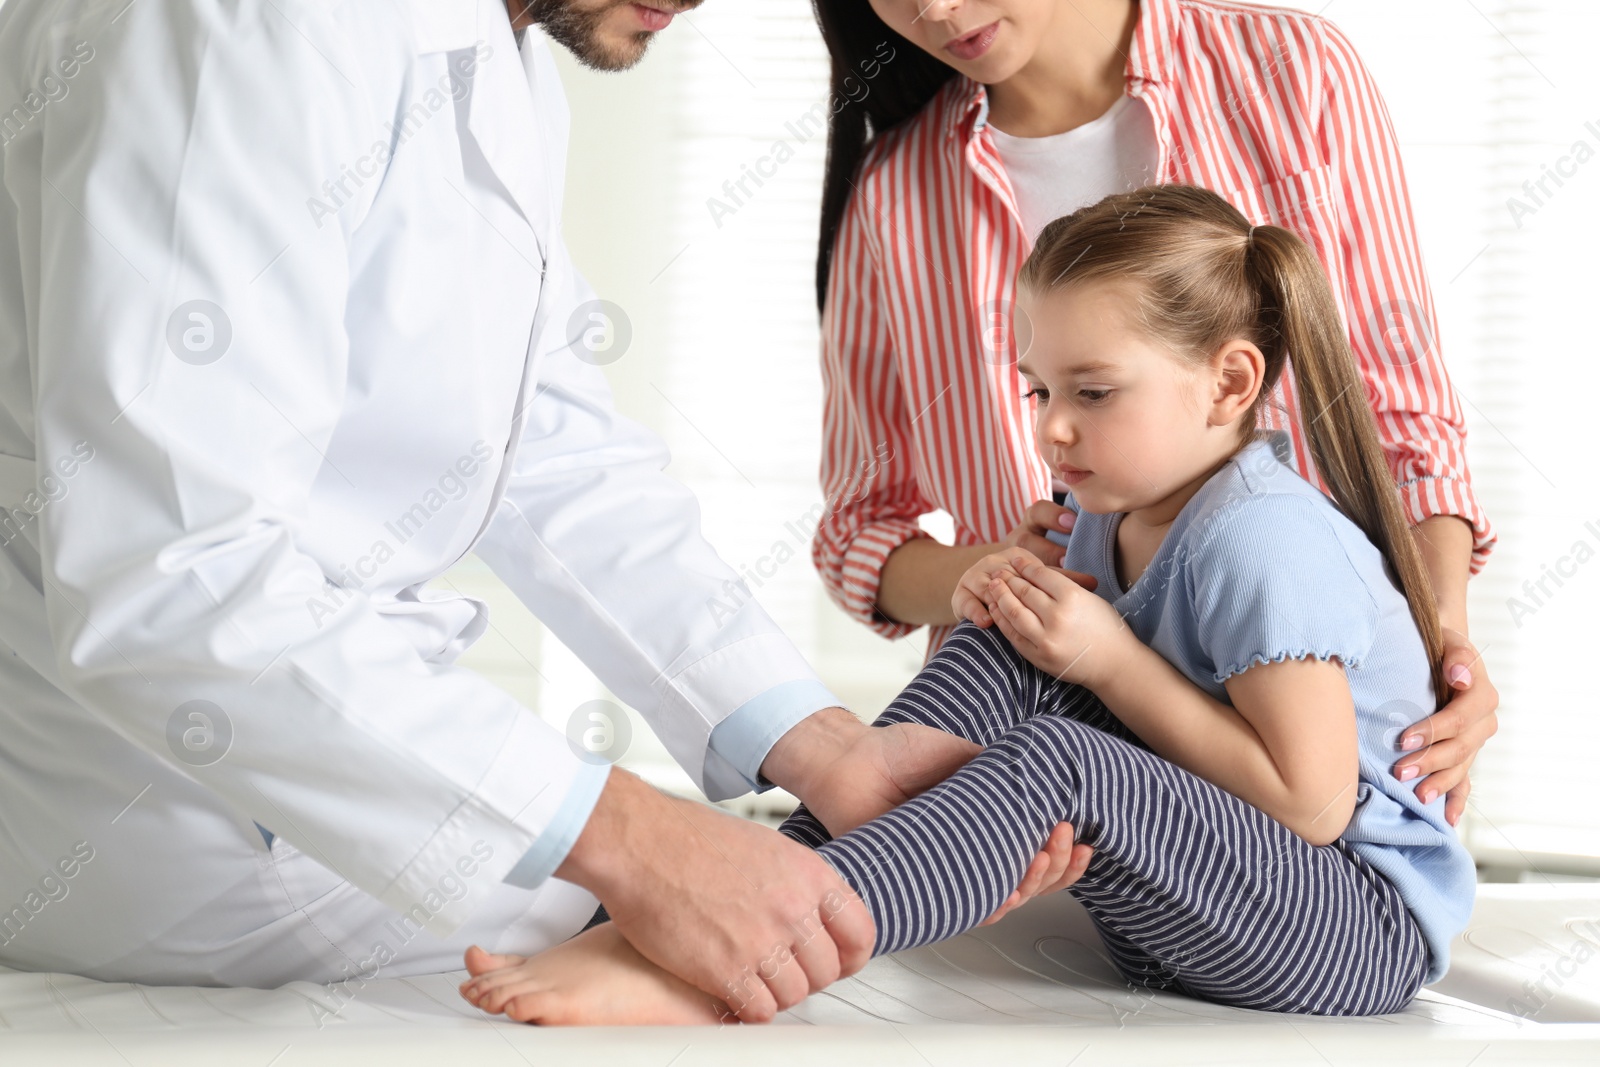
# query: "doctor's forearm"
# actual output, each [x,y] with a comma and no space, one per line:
[598,860]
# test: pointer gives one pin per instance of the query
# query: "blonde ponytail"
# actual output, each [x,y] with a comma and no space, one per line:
[1297,304]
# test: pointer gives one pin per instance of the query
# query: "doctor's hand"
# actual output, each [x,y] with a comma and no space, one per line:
[733,908]
[848,773]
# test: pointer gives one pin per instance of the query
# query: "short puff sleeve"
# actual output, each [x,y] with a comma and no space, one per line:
[1271,581]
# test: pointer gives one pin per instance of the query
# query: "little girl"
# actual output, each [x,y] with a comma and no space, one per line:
[1217,718]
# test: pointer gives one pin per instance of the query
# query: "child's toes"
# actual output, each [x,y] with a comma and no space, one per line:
[495,998]
[473,989]
[533,1007]
[478,961]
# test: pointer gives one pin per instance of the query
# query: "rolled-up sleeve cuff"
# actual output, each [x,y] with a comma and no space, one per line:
[748,733]
[1430,495]
[552,846]
[860,573]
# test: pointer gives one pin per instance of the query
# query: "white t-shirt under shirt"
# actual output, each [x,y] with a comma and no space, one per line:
[1054,176]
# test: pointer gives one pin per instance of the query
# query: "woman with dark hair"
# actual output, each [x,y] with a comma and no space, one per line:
[995,116]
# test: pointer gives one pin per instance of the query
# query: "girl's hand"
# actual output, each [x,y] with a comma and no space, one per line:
[1058,625]
[1448,741]
[1042,516]
[972,598]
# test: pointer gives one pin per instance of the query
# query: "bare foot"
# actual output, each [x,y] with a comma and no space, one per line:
[594,979]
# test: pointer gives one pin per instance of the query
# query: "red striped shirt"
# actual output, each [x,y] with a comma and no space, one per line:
[1270,108]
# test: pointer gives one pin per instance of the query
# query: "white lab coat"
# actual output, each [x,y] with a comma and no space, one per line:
[399,388]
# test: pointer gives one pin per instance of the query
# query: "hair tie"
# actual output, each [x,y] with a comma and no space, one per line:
[1251,236]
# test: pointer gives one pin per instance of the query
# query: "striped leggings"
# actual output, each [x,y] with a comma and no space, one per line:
[1191,889]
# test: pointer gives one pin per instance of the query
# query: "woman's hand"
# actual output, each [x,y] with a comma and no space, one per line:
[1445,744]
[1043,516]
[972,597]
[1056,623]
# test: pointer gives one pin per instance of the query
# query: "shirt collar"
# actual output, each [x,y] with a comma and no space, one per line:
[1149,63]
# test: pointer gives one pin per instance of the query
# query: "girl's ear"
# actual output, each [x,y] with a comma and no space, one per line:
[1238,368]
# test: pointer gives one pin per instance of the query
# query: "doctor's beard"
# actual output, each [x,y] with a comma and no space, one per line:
[580,28]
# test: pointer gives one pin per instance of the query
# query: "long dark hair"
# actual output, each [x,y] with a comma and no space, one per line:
[1203,275]
[854,35]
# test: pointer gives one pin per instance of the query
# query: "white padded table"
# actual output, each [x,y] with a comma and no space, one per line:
[1036,985]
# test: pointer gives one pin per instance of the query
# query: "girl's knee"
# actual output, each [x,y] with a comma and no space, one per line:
[1049,695]
[969,638]
[1048,748]
[1057,731]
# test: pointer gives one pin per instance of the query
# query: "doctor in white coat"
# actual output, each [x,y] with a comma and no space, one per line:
[287,327]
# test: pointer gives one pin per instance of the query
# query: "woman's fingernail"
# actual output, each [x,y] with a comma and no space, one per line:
[1067,519]
[1412,743]
[1428,795]
[1408,772]
[1459,675]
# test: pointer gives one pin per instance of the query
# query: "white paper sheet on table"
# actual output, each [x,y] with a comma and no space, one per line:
[1037,982]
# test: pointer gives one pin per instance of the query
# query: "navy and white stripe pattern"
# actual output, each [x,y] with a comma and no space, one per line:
[1191,889]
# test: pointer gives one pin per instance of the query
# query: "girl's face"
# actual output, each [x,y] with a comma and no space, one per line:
[1122,419]
[987,40]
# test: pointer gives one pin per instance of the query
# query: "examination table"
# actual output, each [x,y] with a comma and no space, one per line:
[1033,989]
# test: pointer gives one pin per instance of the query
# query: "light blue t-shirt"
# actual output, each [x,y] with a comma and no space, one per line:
[1261,566]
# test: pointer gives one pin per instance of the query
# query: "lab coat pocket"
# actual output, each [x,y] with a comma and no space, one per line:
[298,881]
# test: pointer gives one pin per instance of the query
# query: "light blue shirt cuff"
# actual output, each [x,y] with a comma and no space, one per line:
[541,861]
[748,733]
